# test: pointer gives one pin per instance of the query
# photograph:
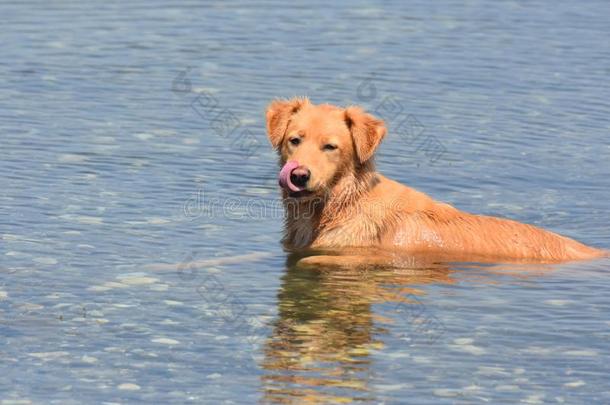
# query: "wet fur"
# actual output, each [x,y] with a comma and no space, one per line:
[354,206]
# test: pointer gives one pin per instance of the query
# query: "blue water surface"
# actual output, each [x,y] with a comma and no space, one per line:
[140,217]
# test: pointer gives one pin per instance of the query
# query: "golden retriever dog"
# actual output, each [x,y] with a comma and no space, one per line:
[334,199]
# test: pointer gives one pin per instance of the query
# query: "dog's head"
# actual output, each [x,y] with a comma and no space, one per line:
[318,144]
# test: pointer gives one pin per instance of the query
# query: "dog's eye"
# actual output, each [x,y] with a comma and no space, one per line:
[295,141]
[329,146]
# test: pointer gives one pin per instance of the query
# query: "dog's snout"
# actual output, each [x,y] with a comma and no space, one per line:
[300,176]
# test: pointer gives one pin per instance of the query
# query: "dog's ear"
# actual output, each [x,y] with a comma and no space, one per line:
[367,131]
[278,116]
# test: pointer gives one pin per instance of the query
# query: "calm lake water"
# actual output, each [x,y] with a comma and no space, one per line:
[139,219]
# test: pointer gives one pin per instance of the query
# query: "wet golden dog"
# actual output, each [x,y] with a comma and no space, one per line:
[334,198]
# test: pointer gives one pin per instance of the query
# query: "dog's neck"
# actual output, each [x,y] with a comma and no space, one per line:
[306,219]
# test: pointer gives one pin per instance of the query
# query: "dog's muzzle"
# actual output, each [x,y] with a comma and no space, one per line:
[294,177]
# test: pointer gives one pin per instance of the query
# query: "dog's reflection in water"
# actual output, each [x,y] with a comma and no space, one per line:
[319,348]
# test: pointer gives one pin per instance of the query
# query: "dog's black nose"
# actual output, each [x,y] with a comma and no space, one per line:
[299,176]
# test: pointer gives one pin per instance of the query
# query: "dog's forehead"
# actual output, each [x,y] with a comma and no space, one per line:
[321,119]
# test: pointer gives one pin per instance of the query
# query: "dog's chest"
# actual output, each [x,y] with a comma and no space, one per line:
[299,234]
[352,232]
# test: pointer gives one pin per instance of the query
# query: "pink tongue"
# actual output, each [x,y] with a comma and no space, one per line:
[285,176]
